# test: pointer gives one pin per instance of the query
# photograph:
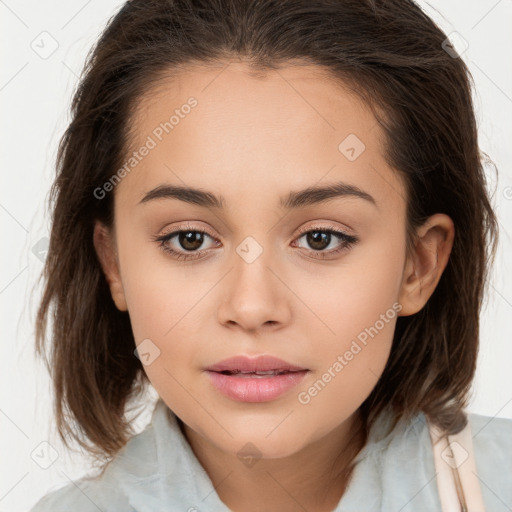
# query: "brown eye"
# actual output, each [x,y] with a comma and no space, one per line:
[190,240]
[186,243]
[318,240]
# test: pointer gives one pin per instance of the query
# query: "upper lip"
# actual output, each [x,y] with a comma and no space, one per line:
[253,364]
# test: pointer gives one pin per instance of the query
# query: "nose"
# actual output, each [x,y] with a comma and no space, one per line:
[254,295]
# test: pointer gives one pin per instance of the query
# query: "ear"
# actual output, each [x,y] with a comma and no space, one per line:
[424,267]
[105,246]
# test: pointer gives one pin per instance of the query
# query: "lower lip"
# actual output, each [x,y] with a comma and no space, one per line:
[255,389]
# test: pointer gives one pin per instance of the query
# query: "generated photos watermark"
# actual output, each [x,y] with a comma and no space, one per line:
[305,397]
[152,140]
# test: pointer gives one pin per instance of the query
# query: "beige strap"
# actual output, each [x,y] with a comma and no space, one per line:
[457,481]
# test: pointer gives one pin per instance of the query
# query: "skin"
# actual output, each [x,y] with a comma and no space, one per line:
[253,139]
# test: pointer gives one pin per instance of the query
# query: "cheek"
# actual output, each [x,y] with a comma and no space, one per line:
[355,323]
[158,292]
[345,299]
[169,317]
[166,307]
[347,364]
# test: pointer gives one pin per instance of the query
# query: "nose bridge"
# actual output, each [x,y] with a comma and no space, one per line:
[255,295]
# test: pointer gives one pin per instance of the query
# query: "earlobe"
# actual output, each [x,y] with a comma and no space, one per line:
[424,267]
[104,245]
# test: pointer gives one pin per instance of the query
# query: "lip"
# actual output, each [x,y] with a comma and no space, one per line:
[253,364]
[250,387]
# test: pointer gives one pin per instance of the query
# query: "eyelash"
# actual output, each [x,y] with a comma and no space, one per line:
[347,241]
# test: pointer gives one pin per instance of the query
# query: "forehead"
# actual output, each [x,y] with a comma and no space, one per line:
[277,130]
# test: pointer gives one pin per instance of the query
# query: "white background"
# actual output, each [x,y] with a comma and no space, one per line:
[34,96]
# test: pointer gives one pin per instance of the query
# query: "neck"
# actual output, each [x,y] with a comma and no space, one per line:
[313,479]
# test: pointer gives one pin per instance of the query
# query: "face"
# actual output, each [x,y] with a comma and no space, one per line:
[312,279]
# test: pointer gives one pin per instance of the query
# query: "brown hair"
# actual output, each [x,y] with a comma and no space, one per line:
[391,54]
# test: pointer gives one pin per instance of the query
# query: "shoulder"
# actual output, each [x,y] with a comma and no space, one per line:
[492,445]
[490,431]
[137,477]
[82,495]
[491,438]
[110,489]
[86,494]
[396,471]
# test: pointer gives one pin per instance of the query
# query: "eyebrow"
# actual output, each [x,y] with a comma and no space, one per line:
[295,199]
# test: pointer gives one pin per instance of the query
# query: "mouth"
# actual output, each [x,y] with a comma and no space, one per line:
[259,379]
[257,365]
[256,374]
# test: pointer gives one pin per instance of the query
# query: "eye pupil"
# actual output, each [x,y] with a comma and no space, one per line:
[190,240]
[318,239]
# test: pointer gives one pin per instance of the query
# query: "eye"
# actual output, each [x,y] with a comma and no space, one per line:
[320,238]
[188,240]
[185,243]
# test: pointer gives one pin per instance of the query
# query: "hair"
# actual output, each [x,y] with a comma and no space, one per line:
[391,54]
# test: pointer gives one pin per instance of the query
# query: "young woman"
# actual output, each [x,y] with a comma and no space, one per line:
[274,213]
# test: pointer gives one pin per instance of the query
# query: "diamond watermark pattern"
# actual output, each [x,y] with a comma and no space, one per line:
[351,147]
[45,45]
[249,455]
[455,45]
[147,352]
[249,249]
[454,454]
[40,248]
[44,455]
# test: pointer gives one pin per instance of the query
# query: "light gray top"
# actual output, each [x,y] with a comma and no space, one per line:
[157,470]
